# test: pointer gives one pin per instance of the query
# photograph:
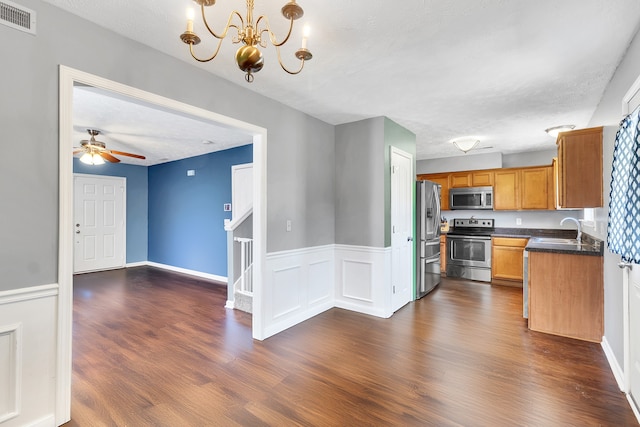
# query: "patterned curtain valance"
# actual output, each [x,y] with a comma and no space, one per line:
[623,235]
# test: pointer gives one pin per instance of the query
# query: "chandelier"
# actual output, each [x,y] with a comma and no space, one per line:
[251,34]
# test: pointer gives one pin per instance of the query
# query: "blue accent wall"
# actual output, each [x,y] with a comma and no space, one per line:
[186,216]
[137,206]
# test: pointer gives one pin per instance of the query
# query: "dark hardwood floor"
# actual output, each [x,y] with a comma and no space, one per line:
[154,348]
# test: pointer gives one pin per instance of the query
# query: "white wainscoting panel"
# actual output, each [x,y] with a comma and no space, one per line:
[28,350]
[363,277]
[301,283]
[10,370]
[287,290]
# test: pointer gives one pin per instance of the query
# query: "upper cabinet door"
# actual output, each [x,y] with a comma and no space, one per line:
[534,184]
[482,178]
[460,179]
[580,168]
[506,189]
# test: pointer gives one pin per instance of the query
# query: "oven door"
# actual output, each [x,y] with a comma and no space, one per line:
[469,251]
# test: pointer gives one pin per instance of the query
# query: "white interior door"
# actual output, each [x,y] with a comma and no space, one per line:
[98,222]
[634,333]
[401,227]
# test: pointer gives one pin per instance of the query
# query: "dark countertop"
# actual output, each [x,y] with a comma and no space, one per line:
[534,232]
[527,233]
[591,246]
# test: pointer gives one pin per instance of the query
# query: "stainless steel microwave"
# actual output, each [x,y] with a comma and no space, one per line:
[471,198]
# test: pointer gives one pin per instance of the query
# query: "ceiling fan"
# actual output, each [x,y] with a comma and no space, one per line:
[95,152]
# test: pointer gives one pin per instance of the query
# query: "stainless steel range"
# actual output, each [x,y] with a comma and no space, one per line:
[469,249]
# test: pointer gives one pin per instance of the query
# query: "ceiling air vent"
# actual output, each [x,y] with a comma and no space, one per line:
[18,17]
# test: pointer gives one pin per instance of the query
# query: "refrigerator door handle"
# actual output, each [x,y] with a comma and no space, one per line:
[436,198]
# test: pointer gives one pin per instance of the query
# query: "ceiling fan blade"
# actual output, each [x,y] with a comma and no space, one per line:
[122,153]
[78,150]
[108,157]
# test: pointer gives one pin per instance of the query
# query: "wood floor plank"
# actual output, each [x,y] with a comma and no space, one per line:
[155,348]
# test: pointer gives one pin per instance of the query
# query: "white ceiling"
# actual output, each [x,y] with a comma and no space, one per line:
[139,128]
[501,70]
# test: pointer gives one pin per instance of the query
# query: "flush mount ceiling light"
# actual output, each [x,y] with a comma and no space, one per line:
[465,144]
[554,131]
[250,33]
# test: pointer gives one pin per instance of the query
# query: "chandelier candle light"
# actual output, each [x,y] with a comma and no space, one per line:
[250,33]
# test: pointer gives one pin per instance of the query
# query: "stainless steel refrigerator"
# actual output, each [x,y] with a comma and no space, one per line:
[428,237]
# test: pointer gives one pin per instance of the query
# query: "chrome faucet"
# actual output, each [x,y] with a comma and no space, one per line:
[579,236]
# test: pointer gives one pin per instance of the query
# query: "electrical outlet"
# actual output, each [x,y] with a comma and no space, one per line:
[288,225]
[518,221]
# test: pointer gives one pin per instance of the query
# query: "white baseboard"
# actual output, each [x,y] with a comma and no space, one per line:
[301,316]
[617,370]
[136,264]
[229,304]
[48,421]
[195,273]
[358,308]
[634,407]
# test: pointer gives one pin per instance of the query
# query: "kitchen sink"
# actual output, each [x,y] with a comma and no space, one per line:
[554,241]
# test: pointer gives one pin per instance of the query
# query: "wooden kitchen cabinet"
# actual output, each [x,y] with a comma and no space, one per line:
[443,254]
[482,178]
[506,258]
[529,188]
[513,188]
[443,180]
[536,188]
[580,168]
[460,179]
[566,295]
[506,190]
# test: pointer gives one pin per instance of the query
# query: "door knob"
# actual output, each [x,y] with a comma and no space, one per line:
[409,239]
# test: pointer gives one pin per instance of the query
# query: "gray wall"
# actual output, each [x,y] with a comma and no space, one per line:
[609,114]
[360,203]
[363,177]
[300,156]
[528,158]
[486,161]
[464,162]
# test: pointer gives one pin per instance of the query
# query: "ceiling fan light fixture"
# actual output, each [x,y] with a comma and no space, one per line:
[466,144]
[554,131]
[92,159]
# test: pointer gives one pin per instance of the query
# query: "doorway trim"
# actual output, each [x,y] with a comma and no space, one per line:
[67,78]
